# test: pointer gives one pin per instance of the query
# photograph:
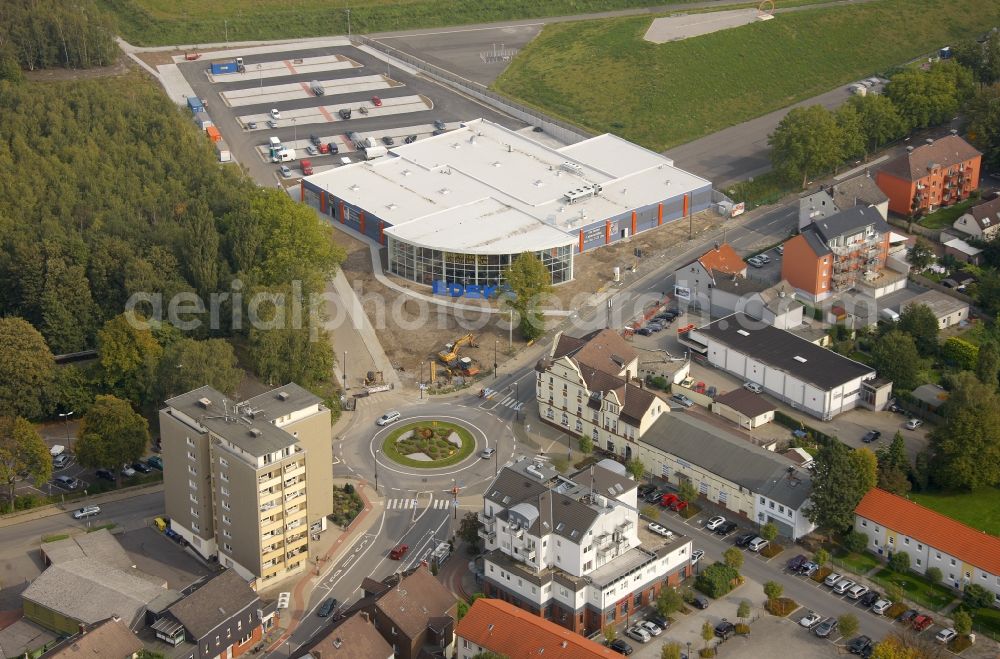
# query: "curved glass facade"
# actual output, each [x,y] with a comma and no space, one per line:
[425,266]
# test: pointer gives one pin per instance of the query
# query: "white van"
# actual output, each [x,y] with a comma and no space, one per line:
[274,143]
[888,315]
[285,155]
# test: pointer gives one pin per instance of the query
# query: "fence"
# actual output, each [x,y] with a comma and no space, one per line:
[560,129]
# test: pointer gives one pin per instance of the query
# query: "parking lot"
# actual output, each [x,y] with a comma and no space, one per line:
[384,100]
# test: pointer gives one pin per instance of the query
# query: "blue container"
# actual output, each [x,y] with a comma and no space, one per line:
[194,103]
[227,67]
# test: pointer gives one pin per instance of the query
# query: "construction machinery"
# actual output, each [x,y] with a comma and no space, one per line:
[373,378]
[463,366]
[450,353]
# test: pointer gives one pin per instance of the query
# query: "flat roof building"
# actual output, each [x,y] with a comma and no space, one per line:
[459,206]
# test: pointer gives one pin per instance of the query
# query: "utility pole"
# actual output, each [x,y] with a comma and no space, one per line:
[495,342]
[346,385]
[420,384]
[348,10]
[377,451]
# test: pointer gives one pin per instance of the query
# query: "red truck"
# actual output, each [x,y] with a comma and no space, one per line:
[307,168]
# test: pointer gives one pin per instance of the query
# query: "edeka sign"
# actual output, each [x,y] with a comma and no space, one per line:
[470,291]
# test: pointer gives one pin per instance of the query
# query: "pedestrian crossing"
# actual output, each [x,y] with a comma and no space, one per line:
[408,504]
[513,403]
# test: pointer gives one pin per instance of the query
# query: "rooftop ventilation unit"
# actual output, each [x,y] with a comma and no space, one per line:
[584,192]
[284,395]
[204,402]
[255,432]
[801,359]
[743,332]
[533,470]
[571,167]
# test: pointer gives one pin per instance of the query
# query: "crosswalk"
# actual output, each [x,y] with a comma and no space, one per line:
[407,504]
[511,402]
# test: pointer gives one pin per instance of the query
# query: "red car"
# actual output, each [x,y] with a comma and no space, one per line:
[324,148]
[376,101]
[678,506]
[668,500]
[398,552]
[920,623]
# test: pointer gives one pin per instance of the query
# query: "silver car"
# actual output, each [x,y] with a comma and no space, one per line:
[389,417]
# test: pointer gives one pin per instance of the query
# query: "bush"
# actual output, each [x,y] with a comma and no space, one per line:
[934,574]
[977,597]
[716,580]
[742,629]
[781,606]
[706,652]
[900,562]
[771,550]
[821,574]
[855,541]
[348,488]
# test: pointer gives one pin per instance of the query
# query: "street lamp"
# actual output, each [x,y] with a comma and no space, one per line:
[496,460]
[295,131]
[420,383]
[454,495]
[346,385]
[689,648]
[377,451]
[495,342]
[65,417]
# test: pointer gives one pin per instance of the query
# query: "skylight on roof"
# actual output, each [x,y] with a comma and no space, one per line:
[619,488]
[743,332]
[800,359]
[506,500]
[560,526]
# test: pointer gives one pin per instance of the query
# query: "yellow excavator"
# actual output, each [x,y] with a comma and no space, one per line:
[450,353]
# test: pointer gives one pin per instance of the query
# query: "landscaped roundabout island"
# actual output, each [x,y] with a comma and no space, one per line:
[428,444]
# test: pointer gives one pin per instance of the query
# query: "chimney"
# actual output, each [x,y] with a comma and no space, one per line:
[909,149]
[953,131]
[364,614]
[717,247]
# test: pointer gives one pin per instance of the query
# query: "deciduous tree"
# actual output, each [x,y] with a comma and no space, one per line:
[837,488]
[921,254]
[111,435]
[669,601]
[529,281]
[988,363]
[966,444]
[26,368]
[983,124]
[852,131]
[22,450]
[733,557]
[188,364]
[896,358]
[866,465]
[636,468]
[848,625]
[671,650]
[773,590]
[880,119]
[743,610]
[919,321]
[960,353]
[468,528]
[821,557]
[769,531]
[707,633]
[962,622]
[806,142]
[586,445]
[687,491]
[129,356]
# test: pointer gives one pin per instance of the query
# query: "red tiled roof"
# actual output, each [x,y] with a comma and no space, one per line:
[931,528]
[723,259]
[515,633]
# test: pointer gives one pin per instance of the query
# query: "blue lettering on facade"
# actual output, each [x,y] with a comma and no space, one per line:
[473,291]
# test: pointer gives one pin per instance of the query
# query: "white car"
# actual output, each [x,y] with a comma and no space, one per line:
[86,511]
[638,633]
[832,579]
[881,607]
[660,530]
[913,424]
[715,522]
[285,171]
[946,635]
[757,544]
[275,114]
[128,472]
[487,453]
[810,619]
[697,555]
[389,417]
[857,591]
[651,628]
[753,386]
[843,586]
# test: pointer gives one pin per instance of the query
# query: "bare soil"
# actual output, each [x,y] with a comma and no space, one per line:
[120,67]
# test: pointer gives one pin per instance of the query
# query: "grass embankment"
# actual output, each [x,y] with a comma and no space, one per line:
[603,75]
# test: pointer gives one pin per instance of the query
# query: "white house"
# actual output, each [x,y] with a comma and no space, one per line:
[857,191]
[981,221]
[693,282]
[947,309]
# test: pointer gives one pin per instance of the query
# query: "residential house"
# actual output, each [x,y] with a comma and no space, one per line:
[836,253]
[572,549]
[981,221]
[830,200]
[815,380]
[963,251]
[744,408]
[947,309]
[108,639]
[353,637]
[220,618]
[758,485]
[693,282]
[587,386]
[248,481]
[492,625]
[416,616]
[940,173]
[964,555]
[775,305]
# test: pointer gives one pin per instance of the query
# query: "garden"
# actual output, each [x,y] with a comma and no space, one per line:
[347,505]
[429,445]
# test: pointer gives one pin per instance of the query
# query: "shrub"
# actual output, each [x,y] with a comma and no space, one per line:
[855,541]
[934,574]
[716,580]
[773,590]
[742,629]
[977,597]
[348,488]
[895,610]
[900,562]
[771,550]
[668,601]
[781,606]
[821,574]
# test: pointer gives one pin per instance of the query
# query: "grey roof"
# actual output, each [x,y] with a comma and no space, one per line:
[860,190]
[512,486]
[785,351]
[745,402]
[88,590]
[814,241]
[284,400]
[934,395]
[780,297]
[22,637]
[739,285]
[940,304]
[99,545]
[254,434]
[731,458]
[214,603]
[848,221]
[607,482]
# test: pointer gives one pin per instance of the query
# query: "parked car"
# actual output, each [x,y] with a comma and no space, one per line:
[345,113]
[859,644]
[333,148]
[86,511]
[832,579]
[764,258]
[755,262]
[946,635]
[725,629]
[142,467]
[311,150]
[156,462]
[757,544]
[60,460]
[913,424]
[410,139]
[843,586]
[808,568]
[106,475]
[439,125]
[389,417]
[644,331]
[651,628]
[810,619]
[700,602]
[327,607]
[324,148]
[715,522]
[398,552]
[697,555]
[658,620]
[659,529]
[870,598]
[726,528]
[275,114]
[644,489]
[272,123]
[871,436]
[66,482]
[620,646]
[315,139]
[825,628]
[637,633]
[654,496]
[376,101]
[881,607]
[795,563]
[907,616]
[753,386]
[857,591]
[252,125]
[127,471]
[682,400]
[285,171]
[922,622]
[678,506]
[388,141]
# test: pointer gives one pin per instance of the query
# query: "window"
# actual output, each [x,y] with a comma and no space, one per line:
[892,540]
[223,462]
[224,491]
[637,600]
[579,425]
[191,455]
[194,513]
[565,419]
[906,541]
[611,446]
[195,526]
[953,562]
[781,509]
[226,533]
[610,616]
[937,555]
[192,470]
[594,433]
[190,441]
[549,414]
[762,502]
[918,562]
[194,499]
[920,546]
[227,519]
[770,505]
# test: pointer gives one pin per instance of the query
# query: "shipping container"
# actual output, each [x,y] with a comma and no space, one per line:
[213,133]
[224,67]
[194,104]
[202,120]
[223,150]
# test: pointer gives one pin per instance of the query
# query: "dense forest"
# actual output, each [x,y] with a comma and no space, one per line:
[107,190]
[42,34]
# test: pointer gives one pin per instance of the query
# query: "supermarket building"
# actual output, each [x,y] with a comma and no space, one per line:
[460,206]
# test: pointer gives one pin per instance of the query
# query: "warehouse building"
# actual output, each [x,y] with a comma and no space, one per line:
[458,207]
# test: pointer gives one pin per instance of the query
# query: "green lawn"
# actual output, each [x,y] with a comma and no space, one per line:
[601,74]
[858,563]
[918,589]
[978,509]
[987,621]
[429,438]
[945,217]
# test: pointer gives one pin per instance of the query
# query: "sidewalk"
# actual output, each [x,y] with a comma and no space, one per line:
[59,508]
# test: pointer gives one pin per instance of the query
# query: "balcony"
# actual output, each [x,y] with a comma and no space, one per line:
[530,555]
[488,522]
[487,535]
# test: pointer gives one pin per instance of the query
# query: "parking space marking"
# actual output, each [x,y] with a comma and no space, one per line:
[290,67]
[326,113]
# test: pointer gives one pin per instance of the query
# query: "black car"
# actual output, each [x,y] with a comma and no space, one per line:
[658,620]
[345,113]
[859,644]
[315,140]
[644,331]
[106,475]
[795,563]
[388,141]
[871,436]
[142,467]
[869,598]
[655,496]
[333,147]
[439,125]
[700,602]
[725,629]
[745,539]
[410,139]
[907,616]
[327,607]
[645,489]
[726,529]
[620,646]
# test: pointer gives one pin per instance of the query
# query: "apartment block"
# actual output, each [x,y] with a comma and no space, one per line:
[573,550]
[246,482]
[940,173]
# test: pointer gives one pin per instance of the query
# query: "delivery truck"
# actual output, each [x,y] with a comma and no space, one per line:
[373,152]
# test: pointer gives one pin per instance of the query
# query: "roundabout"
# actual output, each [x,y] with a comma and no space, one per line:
[428,444]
